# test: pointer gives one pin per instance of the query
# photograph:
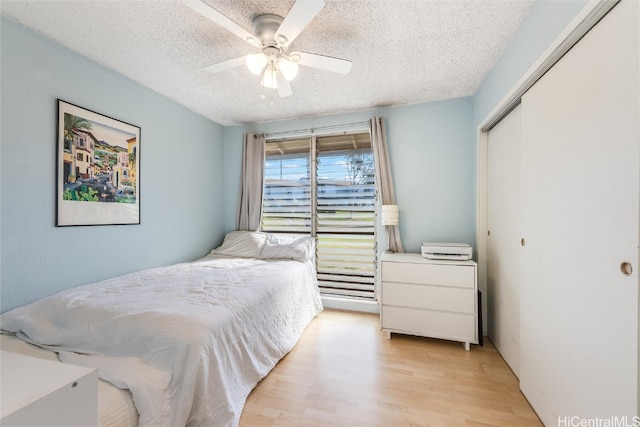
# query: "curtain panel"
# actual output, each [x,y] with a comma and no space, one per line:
[250,208]
[384,180]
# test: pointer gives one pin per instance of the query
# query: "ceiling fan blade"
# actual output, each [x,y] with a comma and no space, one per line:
[284,87]
[301,13]
[329,63]
[226,65]
[208,12]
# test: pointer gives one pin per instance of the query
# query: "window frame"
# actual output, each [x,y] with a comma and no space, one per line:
[312,153]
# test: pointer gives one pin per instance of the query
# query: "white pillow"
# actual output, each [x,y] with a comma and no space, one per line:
[244,244]
[288,246]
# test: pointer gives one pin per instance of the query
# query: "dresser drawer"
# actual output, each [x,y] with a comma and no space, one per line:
[461,300]
[436,324]
[432,274]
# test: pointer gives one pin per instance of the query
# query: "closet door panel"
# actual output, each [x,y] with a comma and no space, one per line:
[503,242]
[580,190]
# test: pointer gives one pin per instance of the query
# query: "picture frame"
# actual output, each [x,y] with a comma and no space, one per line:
[97,169]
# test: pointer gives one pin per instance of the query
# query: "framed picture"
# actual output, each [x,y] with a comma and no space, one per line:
[98,169]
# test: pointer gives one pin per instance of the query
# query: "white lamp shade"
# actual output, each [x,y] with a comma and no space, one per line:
[288,69]
[256,62]
[389,214]
[269,79]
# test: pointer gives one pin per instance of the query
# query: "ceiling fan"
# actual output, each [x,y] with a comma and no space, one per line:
[273,35]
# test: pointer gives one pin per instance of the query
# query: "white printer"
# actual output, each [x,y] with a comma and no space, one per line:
[453,251]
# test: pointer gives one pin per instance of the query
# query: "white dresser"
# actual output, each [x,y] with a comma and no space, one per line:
[430,298]
[37,392]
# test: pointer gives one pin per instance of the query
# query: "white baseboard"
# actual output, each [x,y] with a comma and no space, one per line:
[350,304]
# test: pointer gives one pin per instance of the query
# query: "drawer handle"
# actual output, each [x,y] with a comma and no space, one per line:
[522,242]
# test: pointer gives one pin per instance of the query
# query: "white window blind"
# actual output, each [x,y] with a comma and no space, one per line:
[286,202]
[325,186]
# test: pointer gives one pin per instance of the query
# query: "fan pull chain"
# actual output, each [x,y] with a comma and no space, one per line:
[264,97]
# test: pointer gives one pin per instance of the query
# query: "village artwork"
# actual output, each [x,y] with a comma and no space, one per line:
[99,162]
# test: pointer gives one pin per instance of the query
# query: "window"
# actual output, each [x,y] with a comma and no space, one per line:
[80,157]
[324,186]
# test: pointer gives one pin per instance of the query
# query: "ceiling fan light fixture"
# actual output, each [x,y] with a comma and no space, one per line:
[269,79]
[273,35]
[256,62]
[289,69]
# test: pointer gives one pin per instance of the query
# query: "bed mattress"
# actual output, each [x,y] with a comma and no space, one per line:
[186,343]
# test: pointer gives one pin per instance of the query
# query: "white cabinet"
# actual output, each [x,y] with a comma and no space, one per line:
[430,298]
[37,392]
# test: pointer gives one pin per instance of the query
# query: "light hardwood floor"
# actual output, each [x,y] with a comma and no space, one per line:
[344,372]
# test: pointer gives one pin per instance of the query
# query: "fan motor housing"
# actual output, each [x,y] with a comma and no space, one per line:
[265,27]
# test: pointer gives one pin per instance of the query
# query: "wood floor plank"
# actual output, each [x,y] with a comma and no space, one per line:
[344,372]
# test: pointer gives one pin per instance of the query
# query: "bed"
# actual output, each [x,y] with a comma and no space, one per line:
[183,344]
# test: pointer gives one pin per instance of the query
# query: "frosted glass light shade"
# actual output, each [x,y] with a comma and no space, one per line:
[256,62]
[269,79]
[389,215]
[288,69]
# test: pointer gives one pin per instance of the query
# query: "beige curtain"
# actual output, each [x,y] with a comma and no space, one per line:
[250,208]
[384,181]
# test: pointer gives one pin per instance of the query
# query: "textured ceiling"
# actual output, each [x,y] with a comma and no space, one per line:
[403,51]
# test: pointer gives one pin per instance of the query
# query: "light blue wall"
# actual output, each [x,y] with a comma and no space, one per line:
[545,21]
[431,147]
[181,174]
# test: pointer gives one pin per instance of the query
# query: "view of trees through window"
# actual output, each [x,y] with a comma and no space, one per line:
[333,201]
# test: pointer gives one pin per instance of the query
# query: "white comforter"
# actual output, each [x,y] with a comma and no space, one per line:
[190,341]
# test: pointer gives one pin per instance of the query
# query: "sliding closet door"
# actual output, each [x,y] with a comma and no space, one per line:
[580,190]
[503,241]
